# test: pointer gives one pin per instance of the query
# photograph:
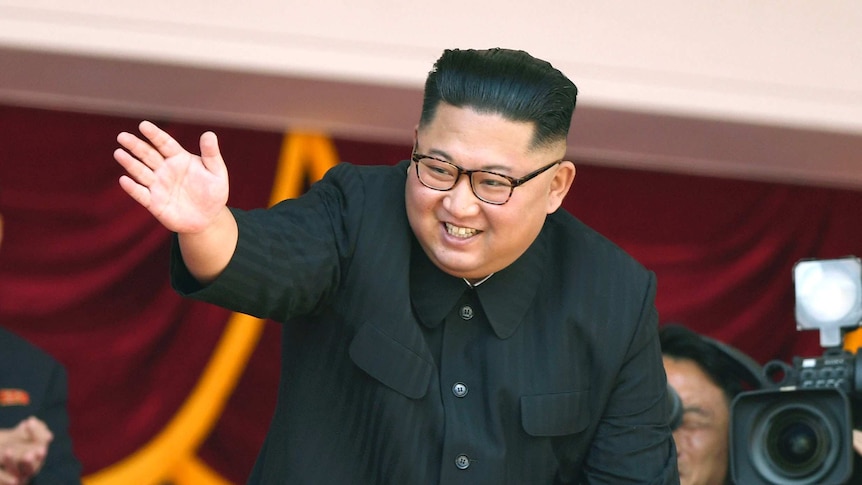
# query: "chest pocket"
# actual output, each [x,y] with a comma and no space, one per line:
[556,414]
[390,362]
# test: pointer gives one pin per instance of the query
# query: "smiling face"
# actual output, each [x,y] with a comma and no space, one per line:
[702,438]
[462,235]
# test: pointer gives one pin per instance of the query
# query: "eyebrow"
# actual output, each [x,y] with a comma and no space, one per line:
[448,158]
[697,410]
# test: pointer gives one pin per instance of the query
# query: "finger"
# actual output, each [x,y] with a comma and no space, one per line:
[141,149]
[136,191]
[164,143]
[30,463]
[9,466]
[7,478]
[137,170]
[210,153]
[39,431]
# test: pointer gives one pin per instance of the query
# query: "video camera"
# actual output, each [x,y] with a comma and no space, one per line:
[797,430]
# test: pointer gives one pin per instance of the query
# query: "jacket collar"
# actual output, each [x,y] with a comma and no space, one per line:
[505,297]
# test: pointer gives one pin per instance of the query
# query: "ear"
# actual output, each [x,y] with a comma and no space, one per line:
[564,175]
[415,141]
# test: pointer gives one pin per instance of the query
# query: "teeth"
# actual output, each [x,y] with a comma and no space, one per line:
[460,231]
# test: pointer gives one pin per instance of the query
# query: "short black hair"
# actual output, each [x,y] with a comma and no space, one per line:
[727,367]
[511,83]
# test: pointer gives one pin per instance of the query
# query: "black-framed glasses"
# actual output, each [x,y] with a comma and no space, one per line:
[490,187]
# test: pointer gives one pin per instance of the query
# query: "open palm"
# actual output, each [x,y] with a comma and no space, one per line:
[185,192]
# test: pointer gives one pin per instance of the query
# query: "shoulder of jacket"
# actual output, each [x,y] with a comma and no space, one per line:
[582,242]
[16,347]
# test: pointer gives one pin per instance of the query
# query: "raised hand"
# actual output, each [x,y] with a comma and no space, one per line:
[185,192]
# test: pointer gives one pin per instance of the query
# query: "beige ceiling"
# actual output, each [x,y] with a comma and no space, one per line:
[762,90]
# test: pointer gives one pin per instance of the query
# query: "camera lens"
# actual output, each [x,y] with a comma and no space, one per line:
[791,437]
[796,442]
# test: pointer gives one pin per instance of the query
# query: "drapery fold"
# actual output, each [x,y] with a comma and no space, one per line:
[83,270]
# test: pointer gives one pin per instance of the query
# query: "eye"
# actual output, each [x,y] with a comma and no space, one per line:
[492,181]
[438,168]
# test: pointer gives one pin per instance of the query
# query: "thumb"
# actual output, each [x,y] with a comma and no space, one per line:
[210,153]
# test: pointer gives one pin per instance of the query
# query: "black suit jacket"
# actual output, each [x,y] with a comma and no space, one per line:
[566,383]
[27,370]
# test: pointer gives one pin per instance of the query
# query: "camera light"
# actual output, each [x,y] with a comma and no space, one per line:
[828,296]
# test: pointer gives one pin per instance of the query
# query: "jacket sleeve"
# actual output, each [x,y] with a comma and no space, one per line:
[61,466]
[289,258]
[633,442]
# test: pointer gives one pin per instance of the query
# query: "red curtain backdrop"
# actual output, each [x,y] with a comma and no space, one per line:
[83,270]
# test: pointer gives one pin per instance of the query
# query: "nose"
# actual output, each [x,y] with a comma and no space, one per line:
[460,200]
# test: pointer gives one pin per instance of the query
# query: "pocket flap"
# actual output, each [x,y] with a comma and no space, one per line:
[555,414]
[390,362]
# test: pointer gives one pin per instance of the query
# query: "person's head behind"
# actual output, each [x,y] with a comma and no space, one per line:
[707,378]
[511,83]
[503,117]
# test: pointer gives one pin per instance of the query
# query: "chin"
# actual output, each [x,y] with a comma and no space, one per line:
[458,269]
[458,273]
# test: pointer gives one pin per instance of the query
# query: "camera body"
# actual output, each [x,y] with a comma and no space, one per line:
[798,430]
[836,369]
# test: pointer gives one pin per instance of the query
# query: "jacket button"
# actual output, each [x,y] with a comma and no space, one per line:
[462,462]
[459,389]
[466,312]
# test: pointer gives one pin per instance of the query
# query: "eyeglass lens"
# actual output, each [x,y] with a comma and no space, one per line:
[441,175]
